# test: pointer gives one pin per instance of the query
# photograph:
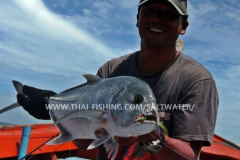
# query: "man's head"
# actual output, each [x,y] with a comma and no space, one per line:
[160,22]
[179,5]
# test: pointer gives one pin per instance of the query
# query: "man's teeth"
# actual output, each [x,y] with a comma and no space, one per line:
[156,30]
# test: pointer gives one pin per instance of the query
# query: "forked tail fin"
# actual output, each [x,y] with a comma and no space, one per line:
[18,86]
[8,108]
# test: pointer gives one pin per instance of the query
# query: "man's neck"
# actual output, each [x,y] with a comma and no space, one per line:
[154,60]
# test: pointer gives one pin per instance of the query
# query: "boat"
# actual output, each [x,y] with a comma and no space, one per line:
[10,138]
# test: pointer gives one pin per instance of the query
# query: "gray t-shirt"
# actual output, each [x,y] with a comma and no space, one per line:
[182,85]
[185,91]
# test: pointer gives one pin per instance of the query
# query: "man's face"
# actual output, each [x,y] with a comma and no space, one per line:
[159,24]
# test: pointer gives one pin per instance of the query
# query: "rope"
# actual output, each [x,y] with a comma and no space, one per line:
[37,148]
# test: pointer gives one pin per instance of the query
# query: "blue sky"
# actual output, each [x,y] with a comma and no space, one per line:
[49,44]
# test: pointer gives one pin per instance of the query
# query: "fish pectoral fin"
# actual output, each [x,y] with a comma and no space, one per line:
[102,138]
[91,78]
[93,115]
[64,136]
[111,148]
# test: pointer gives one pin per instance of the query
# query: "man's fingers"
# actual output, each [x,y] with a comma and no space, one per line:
[100,131]
[46,93]
[103,131]
[23,101]
[126,141]
[37,93]
[97,132]
[30,91]
[116,139]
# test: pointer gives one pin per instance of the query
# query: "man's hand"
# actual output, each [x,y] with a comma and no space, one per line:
[176,149]
[82,144]
[33,101]
[131,140]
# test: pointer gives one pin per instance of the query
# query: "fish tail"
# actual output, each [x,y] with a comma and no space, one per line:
[18,86]
[12,106]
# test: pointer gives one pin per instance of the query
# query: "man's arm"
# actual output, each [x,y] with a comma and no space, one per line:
[175,149]
[172,149]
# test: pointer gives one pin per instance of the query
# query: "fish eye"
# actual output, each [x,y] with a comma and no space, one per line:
[138,99]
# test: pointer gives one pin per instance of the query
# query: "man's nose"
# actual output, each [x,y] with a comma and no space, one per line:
[157,15]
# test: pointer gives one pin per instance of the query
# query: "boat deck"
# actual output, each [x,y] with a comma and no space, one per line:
[10,138]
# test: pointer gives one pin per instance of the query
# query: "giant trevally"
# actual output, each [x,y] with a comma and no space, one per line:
[114,104]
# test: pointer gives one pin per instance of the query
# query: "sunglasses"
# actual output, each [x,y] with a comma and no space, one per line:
[166,15]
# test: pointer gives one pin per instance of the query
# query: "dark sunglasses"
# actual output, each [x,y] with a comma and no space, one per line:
[166,15]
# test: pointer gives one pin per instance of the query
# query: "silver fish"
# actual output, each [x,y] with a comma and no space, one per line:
[113,104]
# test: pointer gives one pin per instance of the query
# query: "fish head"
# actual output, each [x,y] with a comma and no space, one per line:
[135,101]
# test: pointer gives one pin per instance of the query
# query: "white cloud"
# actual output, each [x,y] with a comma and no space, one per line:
[126,4]
[234,72]
[60,3]
[59,28]
[212,31]
[34,38]
[87,12]
[103,8]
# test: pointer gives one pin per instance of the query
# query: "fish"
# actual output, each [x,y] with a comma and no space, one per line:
[115,104]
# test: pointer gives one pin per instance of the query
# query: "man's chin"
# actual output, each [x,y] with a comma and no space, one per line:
[154,43]
[157,43]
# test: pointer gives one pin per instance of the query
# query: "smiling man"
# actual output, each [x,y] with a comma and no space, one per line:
[175,80]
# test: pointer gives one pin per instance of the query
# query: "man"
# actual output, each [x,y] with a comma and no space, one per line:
[175,80]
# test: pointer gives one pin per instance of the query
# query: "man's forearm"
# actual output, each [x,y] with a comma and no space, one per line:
[177,149]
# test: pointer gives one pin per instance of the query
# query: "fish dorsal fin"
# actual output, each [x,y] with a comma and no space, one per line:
[91,78]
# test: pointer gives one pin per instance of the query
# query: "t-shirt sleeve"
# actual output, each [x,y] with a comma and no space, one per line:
[100,73]
[197,124]
[103,71]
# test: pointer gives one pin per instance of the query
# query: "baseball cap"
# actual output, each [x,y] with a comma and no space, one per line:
[180,5]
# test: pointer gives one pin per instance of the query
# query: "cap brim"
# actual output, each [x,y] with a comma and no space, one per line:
[177,8]
[142,2]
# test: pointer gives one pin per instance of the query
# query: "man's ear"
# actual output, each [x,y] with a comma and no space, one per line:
[137,20]
[184,27]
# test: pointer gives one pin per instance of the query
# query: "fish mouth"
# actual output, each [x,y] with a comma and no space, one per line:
[151,117]
[143,118]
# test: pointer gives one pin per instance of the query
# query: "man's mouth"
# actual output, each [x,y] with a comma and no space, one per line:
[156,30]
